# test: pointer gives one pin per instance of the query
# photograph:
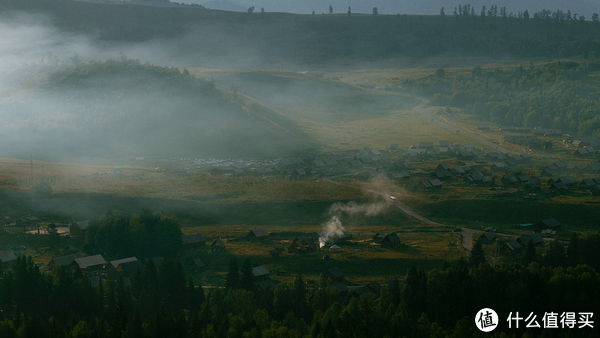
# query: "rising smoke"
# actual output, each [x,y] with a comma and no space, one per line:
[334,230]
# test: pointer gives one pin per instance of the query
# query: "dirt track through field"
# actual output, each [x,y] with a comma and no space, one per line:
[449,126]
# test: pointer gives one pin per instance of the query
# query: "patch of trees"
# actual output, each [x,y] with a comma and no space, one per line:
[561,95]
[160,302]
[145,235]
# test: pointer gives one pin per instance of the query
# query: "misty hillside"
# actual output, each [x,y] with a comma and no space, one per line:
[330,101]
[123,108]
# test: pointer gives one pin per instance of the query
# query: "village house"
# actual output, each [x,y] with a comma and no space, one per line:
[535,239]
[217,245]
[124,266]
[512,246]
[90,263]
[416,151]
[193,240]
[258,233]
[548,223]
[260,271]
[426,184]
[7,258]
[62,261]
[303,245]
[487,238]
[510,179]
[387,238]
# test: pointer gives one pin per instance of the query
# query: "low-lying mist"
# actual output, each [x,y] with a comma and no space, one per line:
[65,96]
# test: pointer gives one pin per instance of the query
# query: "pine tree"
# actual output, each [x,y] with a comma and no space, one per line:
[233,276]
[529,253]
[477,256]
[247,276]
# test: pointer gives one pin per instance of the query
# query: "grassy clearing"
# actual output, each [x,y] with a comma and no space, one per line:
[358,259]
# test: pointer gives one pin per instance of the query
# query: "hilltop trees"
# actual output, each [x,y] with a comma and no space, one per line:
[562,95]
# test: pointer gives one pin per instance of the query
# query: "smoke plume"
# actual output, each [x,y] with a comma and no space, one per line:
[334,230]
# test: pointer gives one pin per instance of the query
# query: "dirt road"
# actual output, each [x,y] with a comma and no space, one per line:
[402,206]
[454,128]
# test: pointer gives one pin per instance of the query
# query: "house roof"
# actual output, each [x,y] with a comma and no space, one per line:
[123,261]
[89,261]
[435,182]
[568,180]
[64,260]
[192,239]
[513,245]
[6,257]
[217,242]
[260,271]
[259,232]
[550,223]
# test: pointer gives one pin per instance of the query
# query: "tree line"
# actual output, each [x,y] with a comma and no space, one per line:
[492,32]
[159,301]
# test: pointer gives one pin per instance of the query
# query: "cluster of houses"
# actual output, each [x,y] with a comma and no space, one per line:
[529,141]
[546,227]
[446,148]
[585,147]
[96,267]
[35,226]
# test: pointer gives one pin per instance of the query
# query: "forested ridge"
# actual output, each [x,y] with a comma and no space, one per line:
[493,32]
[561,95]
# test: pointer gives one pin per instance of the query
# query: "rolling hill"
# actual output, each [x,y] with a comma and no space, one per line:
[123,108]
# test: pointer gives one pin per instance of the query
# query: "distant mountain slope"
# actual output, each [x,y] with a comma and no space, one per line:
[582,7]
[115,109]
[195,36]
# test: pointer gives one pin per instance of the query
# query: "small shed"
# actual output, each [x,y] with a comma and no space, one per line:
[260,271]
[257,233]
[193,240]
[63,261]
[217,245]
